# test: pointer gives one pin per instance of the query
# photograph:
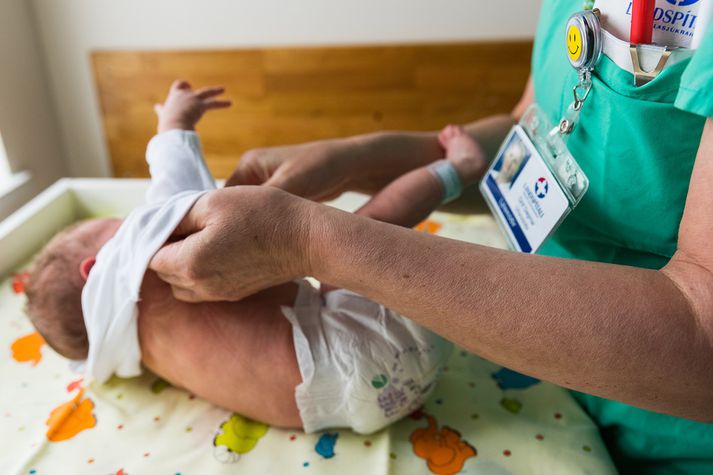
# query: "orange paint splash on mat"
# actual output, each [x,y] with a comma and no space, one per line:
[28,348]
[76,384]
[71,418]
[19,281]
[429,226]
[444,450]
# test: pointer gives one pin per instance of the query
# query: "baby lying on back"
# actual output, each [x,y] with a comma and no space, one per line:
[290,356]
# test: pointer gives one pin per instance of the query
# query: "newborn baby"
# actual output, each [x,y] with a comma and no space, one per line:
[290,356]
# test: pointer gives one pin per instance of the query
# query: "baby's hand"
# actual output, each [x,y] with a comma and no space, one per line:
[463,152]
[184,107]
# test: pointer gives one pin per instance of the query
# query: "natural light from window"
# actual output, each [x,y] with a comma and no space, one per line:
[5,172]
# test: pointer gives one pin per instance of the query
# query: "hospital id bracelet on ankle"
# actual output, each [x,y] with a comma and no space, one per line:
[449,178]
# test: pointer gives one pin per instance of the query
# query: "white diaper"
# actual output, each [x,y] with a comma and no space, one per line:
[363,366]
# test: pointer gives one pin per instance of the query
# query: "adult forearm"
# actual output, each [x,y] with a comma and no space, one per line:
[618,332]
[381,157]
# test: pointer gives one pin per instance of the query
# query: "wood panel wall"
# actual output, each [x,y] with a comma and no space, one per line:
[293,95]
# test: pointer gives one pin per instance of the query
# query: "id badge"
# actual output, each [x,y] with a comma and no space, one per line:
[533,183]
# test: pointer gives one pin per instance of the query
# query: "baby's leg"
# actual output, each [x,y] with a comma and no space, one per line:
[406,201]
[237,355]
[409,199]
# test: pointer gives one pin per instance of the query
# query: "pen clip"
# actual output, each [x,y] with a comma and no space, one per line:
[642,77]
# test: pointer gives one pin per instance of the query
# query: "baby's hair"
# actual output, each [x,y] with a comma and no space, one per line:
[54,291]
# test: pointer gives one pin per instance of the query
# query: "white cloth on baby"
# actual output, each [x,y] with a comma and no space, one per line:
[176,165]
[363,366]
[110,296]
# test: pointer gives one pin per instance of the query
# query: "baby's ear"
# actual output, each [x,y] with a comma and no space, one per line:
[86,266]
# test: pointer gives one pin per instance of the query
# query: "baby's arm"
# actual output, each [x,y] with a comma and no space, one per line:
[409,199]
[175,156]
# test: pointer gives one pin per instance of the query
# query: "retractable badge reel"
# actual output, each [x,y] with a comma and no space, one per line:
[584,50]
[534,181]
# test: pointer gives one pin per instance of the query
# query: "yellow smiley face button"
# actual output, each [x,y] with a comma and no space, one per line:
[584,40]
[574,43]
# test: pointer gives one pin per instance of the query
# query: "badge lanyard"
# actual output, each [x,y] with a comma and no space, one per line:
[534,181]
[584,50]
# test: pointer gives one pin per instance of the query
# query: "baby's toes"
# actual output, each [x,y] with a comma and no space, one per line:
[448,134]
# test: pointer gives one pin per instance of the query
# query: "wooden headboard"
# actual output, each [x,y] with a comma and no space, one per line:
[293,95]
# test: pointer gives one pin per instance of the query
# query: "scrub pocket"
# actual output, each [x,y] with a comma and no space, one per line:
[638,151]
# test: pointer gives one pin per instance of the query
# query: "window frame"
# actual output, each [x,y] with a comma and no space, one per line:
[5,169]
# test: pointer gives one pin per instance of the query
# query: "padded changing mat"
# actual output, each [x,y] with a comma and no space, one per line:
[481,419]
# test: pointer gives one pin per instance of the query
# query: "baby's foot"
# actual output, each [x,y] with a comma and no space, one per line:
[457,143]
[464,152]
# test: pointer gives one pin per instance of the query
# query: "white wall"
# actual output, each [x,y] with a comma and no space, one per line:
[70,29]
[27,120]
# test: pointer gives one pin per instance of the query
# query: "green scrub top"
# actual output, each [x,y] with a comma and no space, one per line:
[637,145]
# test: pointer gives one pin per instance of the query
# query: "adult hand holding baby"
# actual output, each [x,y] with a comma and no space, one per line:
[222,249]
[235,242]
[318,171]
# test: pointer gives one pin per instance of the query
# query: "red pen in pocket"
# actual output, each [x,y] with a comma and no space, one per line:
[642,21]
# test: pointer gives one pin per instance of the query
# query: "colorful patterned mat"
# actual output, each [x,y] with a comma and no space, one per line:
[481,419]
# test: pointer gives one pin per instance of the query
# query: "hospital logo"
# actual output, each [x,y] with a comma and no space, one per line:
[682,3]
[541,187]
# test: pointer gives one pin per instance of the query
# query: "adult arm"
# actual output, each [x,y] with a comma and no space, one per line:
[639,336]
[325,169]
[643,337]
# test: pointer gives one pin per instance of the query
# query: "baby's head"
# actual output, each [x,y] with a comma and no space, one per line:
[54,290]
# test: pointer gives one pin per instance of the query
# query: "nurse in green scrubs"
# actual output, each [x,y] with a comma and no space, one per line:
[638,148]
[618,306]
